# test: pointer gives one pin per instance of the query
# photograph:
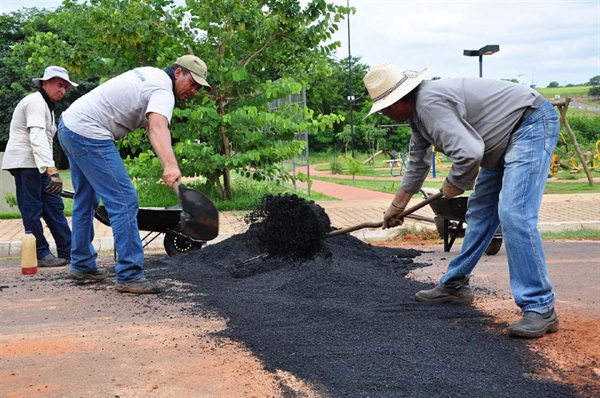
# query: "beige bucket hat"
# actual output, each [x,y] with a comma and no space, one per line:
[52,72]
[387,84]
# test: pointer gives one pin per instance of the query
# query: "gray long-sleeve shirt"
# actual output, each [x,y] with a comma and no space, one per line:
[468,119]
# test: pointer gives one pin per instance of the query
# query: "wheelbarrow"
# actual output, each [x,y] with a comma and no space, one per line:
[450,222]
[156,221]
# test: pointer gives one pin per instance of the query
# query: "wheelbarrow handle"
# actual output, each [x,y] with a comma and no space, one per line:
[379,224]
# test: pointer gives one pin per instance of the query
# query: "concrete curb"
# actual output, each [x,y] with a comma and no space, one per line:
[106,244]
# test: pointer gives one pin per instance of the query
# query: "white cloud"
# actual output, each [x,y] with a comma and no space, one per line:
[542,41]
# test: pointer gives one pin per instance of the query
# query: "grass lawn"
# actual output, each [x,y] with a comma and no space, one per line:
[391,186]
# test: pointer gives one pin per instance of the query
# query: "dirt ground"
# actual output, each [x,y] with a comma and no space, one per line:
[62,339]
[573,354]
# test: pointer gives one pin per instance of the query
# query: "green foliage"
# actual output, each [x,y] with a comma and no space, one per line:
[354,166]
[594,91]
[586,128]
[336,165]
[553,85]
[256,52]
[594,81]
[10,199]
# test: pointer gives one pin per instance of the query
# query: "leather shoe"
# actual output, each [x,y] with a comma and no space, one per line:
[534,324]
[461,294]
[51,261]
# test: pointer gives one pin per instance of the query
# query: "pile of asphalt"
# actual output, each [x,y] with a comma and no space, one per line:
[343,318]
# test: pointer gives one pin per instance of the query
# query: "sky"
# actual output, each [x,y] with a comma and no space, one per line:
[540,41]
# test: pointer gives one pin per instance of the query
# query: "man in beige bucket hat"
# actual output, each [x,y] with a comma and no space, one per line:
[500,137]
[29,159]
[140,98]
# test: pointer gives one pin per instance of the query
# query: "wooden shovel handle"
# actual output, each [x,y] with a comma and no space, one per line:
[405,213]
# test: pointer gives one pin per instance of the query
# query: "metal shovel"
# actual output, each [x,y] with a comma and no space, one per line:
[378,224]
[199,217]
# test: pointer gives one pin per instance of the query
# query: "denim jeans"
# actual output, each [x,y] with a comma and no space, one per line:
[36,203]
[98,172]
[511,195]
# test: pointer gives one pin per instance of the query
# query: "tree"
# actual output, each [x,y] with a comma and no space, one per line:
[330,95]
[256,51]
[594,81]
[553,85]
[594,91]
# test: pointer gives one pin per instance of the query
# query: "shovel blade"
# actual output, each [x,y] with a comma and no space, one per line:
[199,217]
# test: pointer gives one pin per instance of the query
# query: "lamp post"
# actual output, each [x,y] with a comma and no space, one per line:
[350,94]
[486,50]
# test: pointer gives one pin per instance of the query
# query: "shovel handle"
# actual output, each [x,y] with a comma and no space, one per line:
[379,224]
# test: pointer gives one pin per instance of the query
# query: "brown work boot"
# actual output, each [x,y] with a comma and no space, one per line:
[51,261]
[462,294]
[97,274]
[534,324]
[137,287]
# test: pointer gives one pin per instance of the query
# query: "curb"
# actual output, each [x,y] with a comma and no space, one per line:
[106,244]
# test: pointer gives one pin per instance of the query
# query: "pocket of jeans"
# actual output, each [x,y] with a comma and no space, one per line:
[551,128]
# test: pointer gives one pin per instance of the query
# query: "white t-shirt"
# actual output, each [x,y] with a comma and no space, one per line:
[121,105]
[32,129]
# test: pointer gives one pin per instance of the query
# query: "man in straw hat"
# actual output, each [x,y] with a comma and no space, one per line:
[28,157]
[500,137]
[142,97]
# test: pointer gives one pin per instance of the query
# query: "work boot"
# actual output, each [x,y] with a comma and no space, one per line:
[137,287]
[51,261]
[97,274]
[534,324]
[461,294]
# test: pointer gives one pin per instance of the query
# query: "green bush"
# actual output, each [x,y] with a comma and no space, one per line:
[336,165]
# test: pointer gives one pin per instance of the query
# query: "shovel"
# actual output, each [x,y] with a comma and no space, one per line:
[199,217]
[373,224]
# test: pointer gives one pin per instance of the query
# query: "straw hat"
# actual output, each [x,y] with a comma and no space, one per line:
[387,84]
[51,72]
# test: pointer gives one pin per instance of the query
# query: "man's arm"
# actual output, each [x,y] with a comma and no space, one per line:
[160,139]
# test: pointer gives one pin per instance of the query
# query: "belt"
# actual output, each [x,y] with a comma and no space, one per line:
[529,110]
[532,108]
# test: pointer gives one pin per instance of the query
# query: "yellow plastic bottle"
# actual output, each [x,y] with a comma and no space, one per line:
[28,254]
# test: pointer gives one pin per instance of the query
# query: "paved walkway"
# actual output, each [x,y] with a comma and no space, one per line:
[558,213]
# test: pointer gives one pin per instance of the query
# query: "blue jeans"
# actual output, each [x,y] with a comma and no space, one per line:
[511,195]
[98,172]
[36,203]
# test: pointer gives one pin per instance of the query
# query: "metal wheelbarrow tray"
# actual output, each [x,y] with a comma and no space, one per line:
[156,221]
[450,222]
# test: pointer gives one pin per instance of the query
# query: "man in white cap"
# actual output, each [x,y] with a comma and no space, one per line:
[140,98]
[500,137]
[28,157]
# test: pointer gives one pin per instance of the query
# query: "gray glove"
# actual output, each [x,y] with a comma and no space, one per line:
[450,191]
[391,219]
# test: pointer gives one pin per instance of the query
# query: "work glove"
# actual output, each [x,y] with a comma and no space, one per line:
[56,184]
[391,219]
[449,190]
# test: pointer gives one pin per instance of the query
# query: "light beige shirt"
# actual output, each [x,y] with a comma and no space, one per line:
[32,129]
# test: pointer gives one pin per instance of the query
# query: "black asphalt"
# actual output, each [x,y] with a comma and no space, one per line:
[346,321]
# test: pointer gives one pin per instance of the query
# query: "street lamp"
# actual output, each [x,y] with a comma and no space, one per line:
[487,50]
[351,94]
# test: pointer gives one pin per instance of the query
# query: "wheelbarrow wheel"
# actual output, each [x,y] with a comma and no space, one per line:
[176,244]
[494,246]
